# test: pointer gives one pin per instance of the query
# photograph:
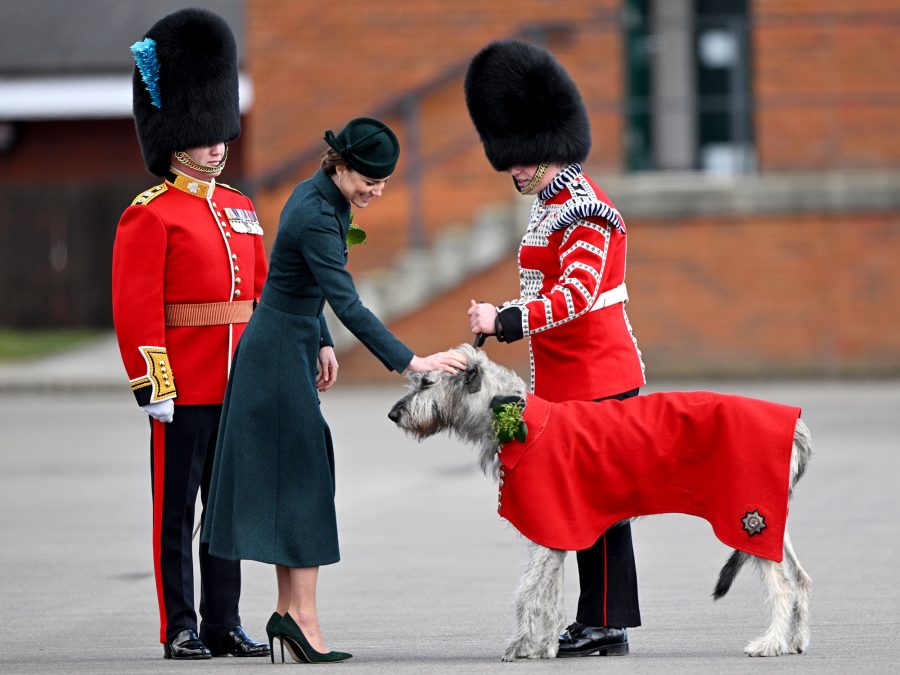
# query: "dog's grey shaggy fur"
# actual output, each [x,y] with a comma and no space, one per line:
[460,404]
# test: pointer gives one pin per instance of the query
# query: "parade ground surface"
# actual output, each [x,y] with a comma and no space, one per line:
[428,570]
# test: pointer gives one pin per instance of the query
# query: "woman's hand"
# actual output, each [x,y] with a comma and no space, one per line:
[482,318]
[450,362]
[328,367]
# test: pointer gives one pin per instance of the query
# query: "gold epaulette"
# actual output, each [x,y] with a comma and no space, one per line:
[148,196]
[230,187]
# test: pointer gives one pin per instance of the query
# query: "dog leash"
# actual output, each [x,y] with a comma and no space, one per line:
[479,338]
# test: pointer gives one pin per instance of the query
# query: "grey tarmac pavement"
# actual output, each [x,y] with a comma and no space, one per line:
[428,569]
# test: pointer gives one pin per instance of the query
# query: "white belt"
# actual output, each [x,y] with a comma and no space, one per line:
[611,297]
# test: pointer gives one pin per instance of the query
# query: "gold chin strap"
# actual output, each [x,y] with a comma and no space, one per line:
[539,174]
[188,161]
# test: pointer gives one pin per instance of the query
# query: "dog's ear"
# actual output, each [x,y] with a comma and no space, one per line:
[472,378]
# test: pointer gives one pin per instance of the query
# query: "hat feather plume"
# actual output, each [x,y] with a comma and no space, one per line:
[148,64]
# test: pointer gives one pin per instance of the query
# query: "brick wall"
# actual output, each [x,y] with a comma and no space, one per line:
[315,66]
[726,296]
[824,77]
[825,83]
[764,294]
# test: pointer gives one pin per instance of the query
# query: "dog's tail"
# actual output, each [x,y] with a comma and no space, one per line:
[728,573]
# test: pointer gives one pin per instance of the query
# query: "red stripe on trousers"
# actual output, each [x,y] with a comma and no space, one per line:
[159,475]
[605,578]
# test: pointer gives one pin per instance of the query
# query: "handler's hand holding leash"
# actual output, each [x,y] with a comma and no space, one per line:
[482,321]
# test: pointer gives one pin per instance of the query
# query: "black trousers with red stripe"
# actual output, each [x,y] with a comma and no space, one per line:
[181,465]
[607,575]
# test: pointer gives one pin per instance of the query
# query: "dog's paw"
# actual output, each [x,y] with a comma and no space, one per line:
[550,651]
[799,642]
[766,646]
[515,655]
[526,649]
[512,652]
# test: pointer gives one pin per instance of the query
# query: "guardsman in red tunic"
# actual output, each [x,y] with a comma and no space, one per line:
[188,267]
[533,124]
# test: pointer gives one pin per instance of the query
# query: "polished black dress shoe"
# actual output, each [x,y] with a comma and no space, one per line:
[237,643]
[581,640]
[186,645]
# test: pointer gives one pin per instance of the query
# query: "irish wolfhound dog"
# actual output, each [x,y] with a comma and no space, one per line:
[467,404]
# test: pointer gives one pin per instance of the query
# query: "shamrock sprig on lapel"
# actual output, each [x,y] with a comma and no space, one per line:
[508,422]
[355,235]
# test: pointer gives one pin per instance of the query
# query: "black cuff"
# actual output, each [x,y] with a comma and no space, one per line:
[143,393]
[509,324]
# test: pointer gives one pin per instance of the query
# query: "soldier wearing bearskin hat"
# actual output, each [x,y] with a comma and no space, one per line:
[533,124]
[188,266]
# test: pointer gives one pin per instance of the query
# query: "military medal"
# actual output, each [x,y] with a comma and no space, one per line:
[243,221]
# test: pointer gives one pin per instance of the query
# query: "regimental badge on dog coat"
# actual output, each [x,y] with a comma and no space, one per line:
[585,466]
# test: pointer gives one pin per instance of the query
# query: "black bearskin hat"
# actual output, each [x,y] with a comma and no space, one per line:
[525,107]
[185,86]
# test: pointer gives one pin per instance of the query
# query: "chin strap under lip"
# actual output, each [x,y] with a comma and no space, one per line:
[184,158]
[538,176]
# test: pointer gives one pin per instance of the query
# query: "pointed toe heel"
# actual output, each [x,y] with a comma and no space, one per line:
[299,647]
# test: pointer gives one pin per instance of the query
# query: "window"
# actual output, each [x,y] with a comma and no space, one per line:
[688,86]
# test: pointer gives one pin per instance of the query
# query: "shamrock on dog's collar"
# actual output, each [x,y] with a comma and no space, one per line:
[508,422]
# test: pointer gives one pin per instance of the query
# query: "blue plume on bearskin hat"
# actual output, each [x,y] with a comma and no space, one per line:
[188,95]
[525,106]
[148,65]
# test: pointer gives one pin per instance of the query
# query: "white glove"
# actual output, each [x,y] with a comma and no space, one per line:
[164,411]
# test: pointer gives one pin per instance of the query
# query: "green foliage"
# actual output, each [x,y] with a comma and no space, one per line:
[18,345]
[508,422]
[355,235]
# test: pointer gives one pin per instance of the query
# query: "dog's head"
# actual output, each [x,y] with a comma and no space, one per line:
[458,402]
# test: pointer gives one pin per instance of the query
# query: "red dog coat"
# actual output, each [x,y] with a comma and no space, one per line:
[585,466]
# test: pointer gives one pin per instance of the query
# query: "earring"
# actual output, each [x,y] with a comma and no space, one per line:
[340,178]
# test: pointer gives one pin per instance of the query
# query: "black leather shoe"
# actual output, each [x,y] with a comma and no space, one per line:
[186,645]
[581,640]
[237,643]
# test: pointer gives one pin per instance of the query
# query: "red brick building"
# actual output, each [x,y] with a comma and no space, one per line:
[782,265]
[750,145]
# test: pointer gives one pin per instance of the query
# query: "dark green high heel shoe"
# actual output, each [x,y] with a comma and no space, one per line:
[273,630]
[299,647]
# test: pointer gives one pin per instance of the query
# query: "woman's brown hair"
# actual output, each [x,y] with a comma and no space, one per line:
[331,160]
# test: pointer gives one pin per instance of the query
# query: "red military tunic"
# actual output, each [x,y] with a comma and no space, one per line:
[572,259]
[184,242]
[585,466]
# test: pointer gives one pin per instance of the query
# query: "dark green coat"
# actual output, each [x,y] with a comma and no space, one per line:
[271,496]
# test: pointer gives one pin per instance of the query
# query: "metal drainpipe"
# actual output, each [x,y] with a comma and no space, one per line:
[413,152]
[738,93]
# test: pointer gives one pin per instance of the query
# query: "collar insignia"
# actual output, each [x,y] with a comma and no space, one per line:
[193,186]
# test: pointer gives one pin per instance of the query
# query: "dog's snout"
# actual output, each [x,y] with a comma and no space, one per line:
[394,415]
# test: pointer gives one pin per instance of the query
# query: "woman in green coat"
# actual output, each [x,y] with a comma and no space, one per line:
[271,496]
